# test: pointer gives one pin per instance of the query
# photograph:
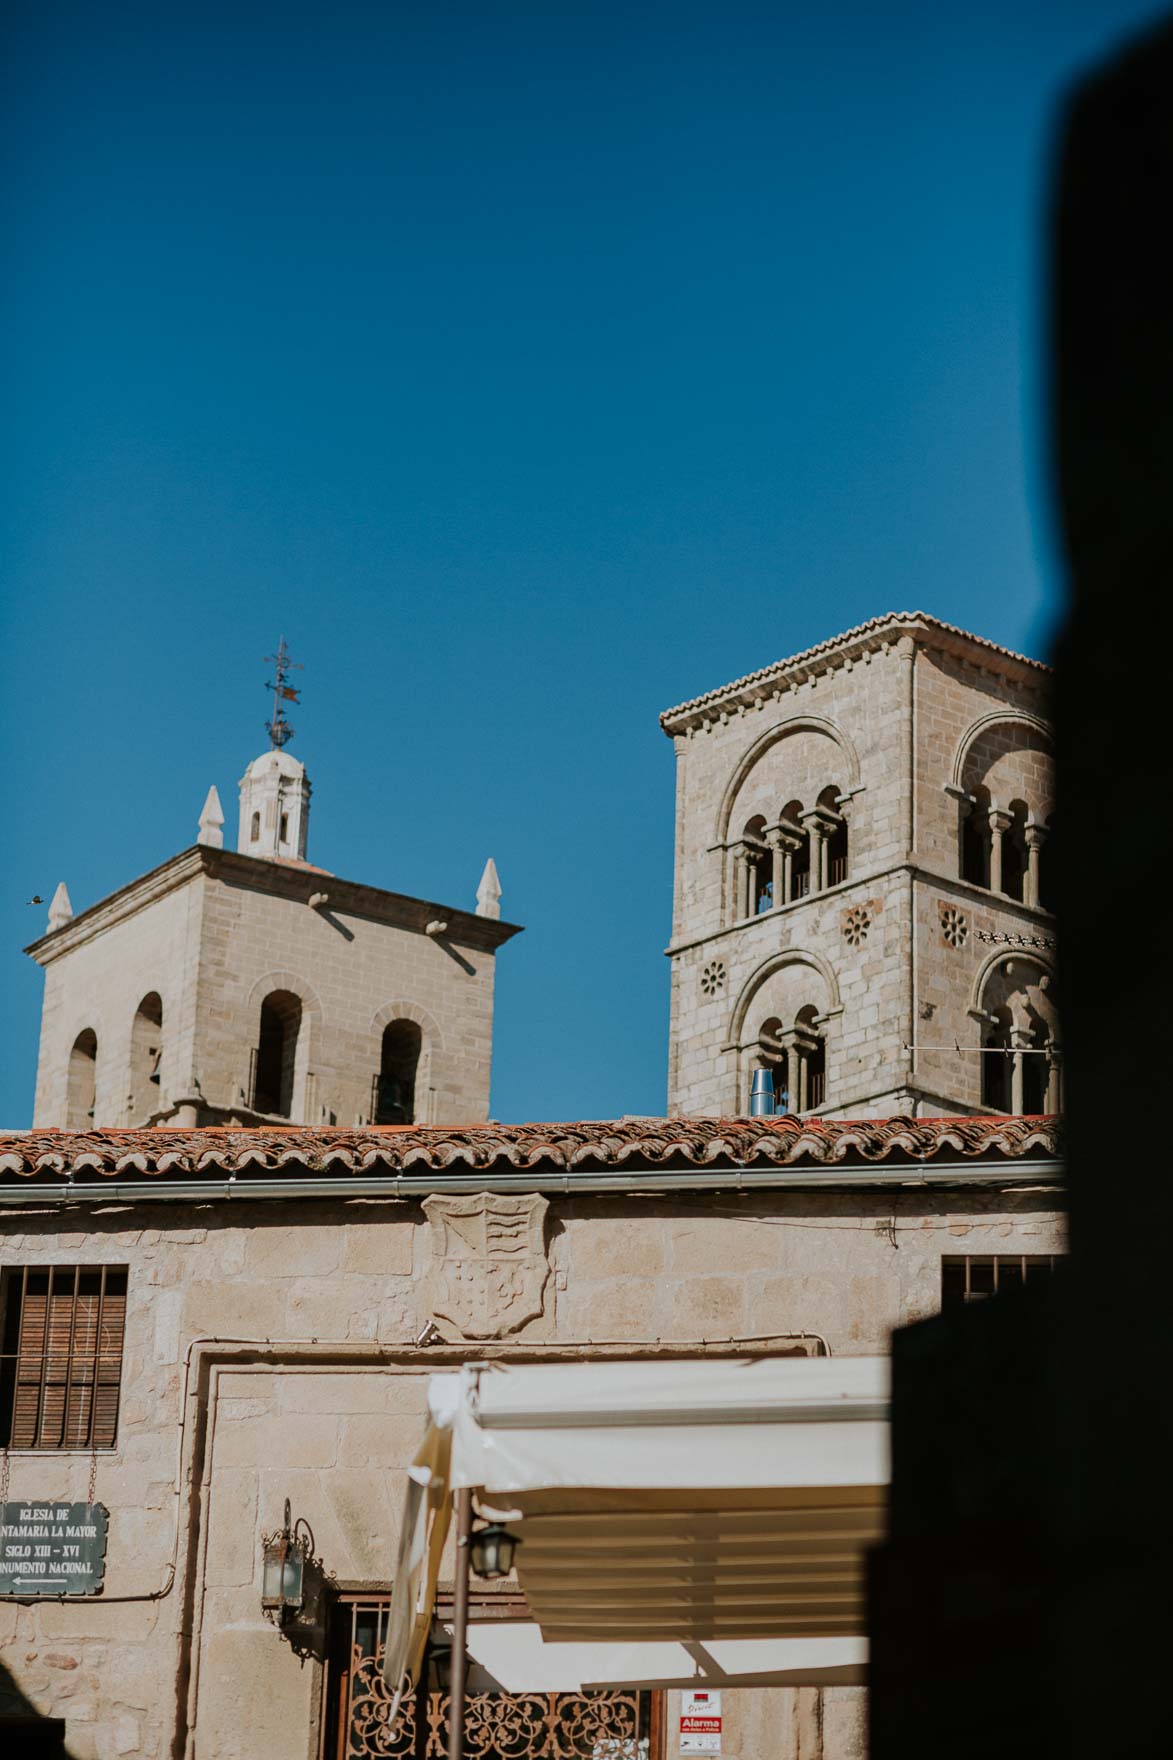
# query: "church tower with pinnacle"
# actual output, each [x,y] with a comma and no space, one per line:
[251,986]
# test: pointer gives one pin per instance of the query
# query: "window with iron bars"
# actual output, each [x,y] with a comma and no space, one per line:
[971,1277]
[61,1361]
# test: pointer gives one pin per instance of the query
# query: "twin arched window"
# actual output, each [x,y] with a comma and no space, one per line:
[1020,1056]
[1005,794]
[796,1056]
[803,851]
[142,1098]
[1004,849]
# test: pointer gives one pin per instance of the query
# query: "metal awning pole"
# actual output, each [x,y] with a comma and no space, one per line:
[459,1626]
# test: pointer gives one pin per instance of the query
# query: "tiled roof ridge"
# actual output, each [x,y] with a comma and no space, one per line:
[889,619]
[561,1147]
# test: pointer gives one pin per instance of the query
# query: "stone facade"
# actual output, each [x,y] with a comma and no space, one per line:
[861,879]
[273,1351]
[160,1000]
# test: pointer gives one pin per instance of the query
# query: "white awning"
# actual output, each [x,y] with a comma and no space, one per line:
[519,1660]
[661,1505]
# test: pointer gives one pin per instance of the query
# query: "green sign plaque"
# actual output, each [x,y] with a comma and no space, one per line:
[52,1548]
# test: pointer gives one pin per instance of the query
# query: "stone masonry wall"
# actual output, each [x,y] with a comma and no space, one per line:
[316,1393]
[100,983]
[354,975]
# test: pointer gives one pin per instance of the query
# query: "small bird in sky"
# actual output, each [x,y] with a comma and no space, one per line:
[35,899]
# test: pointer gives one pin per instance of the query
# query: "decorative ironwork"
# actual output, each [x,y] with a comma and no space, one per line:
[498,1726]
[1012,939]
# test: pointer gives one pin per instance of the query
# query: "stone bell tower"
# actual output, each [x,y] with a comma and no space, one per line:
[862,922]
[250,986]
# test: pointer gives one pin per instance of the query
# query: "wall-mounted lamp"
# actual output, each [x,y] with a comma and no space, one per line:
[284,1568]
[491,1550]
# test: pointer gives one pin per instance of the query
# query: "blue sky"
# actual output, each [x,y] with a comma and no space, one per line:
[531,367]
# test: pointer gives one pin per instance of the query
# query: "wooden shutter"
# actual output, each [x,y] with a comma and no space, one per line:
[68,1357]
[34,1302]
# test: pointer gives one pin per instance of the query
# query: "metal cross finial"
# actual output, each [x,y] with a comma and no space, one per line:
[280,730]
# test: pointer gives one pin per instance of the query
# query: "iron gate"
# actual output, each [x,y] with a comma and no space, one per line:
[497,1726]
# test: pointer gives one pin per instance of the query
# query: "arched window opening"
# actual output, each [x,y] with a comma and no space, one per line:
[834,836]
[812,1060]
[1045,865]
[758,893]
[798,838]
[254,834]
[771,1055]
[275,1058]
[82,1082]
[393,1095]
[146,1058]
[975,839]
[797,1058]
[1004,791]
[1020,1052]
[997,1063]
[1014,852]
[285,828]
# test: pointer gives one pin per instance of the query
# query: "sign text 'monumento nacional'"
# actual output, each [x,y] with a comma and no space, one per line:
[52,1548]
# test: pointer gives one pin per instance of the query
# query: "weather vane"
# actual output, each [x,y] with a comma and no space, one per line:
[279,730]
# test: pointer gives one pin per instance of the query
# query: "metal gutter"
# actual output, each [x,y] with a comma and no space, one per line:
[940,1175]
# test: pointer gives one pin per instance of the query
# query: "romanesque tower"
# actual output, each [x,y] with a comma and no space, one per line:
[248,985]
[862,882]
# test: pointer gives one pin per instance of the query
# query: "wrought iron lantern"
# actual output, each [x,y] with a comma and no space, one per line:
[491,1550]
[284,1568]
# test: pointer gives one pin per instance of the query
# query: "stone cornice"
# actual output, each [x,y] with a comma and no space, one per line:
[279,880]
[877,636]
[922,871]
[116,906]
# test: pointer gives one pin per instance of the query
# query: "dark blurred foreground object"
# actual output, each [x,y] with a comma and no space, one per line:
[1037,1617]
[959,1596]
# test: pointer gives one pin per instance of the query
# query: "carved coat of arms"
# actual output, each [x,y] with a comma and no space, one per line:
[489,1266]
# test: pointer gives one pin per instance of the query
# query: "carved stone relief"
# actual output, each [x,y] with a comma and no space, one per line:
[489,1263]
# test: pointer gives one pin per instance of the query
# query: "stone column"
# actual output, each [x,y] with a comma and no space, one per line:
[1036,836]
[778,874]
[1054,1080]
[783,845]
[793,1077]
[1019,1047]
[1000,824]
[816,831]
[735,881]
[746,887]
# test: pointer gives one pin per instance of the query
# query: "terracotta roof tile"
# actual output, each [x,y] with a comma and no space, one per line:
[550,1148]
